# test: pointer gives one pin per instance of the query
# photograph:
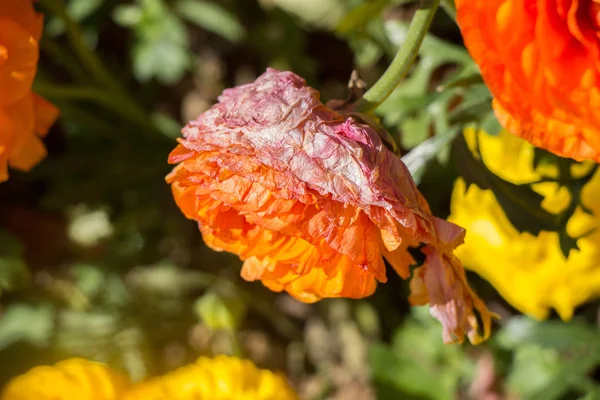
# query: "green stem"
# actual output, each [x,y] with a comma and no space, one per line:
[87,57]
[403,60]
[64,58]
[117,104]
[123,103]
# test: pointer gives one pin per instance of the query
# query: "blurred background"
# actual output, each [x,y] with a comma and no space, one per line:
[97,261]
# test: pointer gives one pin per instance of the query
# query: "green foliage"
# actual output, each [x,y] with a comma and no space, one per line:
[22,322]
[405,369]
[161,48]
[551,358]
[221,311]
[13,269]
[213,18]
[96,261]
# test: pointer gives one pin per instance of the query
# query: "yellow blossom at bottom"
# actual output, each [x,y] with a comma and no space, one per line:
[72,379]
[529,271]
[219,378]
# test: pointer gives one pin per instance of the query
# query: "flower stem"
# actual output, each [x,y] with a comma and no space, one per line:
[90,60]
[403,60]
[111,89]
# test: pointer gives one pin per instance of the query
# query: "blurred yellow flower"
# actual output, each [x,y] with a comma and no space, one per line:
[72,379]
[530,272]
[219,378]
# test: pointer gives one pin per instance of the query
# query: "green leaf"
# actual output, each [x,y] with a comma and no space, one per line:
[521,204]
[490,124]
[22,322]
[418,158]
[13,269]
[553,334]
[420,112]
[357,18]
[550,357]
[533,368]
[568,374]
[471,110]
[161,48]
[127,15]
[397,378]
[13,273]
[78,10]
[162,53]
[213,18]
[542,157]
[404,369]
[167,125]
[219,311]
[467,77]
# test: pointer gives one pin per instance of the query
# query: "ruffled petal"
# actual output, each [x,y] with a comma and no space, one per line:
[310,200]
[541,61]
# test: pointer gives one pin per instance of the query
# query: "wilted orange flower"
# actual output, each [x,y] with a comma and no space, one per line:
[24,116]
[541,61]
[311,201]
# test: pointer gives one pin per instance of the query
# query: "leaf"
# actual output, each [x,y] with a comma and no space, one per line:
[542,157]
[565,377]
[161,48]
[13,273]
[490,124]
[471,110]
[167,125]
[78,10]
[521,204]
[551,356]
[323,14]
[13,269]
[395,378]
[404,369]
[533,368]
[127,15]
[553,334]
[417,110]
[22,322]
[418,158]
[467,77]
[220,311]
[161,59]
[357,18]
[213,18]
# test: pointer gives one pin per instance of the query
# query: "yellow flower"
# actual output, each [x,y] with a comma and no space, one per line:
[72,379]
[530,272]
[220,378]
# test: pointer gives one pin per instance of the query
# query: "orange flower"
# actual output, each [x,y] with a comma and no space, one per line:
[311,201]
[541,61]
[23,114]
